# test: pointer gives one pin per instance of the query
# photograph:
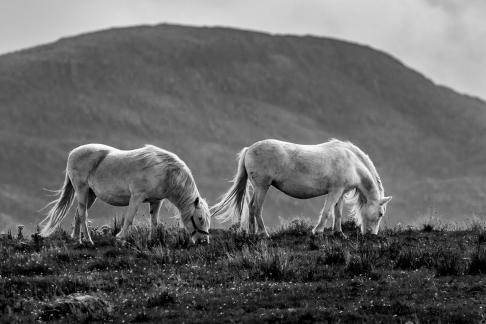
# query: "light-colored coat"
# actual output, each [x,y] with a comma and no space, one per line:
[333,168]
[128,178]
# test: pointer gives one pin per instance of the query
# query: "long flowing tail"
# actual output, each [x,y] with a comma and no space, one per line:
[234,199]
[59,209]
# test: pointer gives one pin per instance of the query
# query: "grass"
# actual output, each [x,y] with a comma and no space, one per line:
[403,275]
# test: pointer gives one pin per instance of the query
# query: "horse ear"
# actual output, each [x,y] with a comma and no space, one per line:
[385,200]
[196,202]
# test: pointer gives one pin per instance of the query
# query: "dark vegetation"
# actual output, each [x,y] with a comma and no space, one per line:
[401,275]
[205,93]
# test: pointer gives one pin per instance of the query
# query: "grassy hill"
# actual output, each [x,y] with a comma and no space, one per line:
[204,93]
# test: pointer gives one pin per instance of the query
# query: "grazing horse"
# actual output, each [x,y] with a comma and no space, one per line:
[128,178]
[334,168]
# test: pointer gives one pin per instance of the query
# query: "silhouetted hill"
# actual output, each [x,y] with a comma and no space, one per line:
[204,93]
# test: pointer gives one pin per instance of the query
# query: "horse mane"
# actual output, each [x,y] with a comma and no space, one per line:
[182,184]
[366,161]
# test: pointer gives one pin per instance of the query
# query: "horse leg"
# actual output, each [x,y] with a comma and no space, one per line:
[328,210]
[76,228]
[82,195]
[251,216]
[135,201]
[154,213]
[338,231]
[256,207]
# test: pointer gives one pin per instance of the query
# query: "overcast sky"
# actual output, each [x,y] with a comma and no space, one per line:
[443,39]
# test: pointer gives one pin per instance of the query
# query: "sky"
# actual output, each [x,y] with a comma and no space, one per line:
[443,39]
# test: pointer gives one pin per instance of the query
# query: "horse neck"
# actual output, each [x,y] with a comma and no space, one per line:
[372,173]
[369,187]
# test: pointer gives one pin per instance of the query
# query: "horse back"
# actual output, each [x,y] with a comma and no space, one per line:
[84,159]
[295,168]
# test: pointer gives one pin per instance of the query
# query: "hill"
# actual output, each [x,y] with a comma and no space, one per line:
[205,93]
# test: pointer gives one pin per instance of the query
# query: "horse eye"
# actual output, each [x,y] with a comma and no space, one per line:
[381,214]
[200,219]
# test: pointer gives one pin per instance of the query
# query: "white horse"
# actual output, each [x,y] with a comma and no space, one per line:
[334,169]
[128,178]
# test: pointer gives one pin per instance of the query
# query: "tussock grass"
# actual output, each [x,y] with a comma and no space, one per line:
[262,262]
[76,307]
[160,298]
[449,263]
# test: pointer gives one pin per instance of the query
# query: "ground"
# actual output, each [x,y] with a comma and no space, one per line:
[403,275]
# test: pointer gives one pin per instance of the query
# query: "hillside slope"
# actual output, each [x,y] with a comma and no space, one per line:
[205,93]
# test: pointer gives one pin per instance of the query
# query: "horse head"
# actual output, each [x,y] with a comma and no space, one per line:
[371,215]
[198,222]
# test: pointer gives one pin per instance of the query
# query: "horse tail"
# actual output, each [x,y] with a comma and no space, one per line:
[59,209]
[233,200]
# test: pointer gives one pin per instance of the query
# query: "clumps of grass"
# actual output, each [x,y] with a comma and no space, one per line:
[478,259]
[262,262]
[482,237]
[432,222]
[106,264]
[363,261]
[350,226]
[397,307]
[297,227]
[163,255]
[312,245]
[26,265]
[140,317]
[427,227]
[444,262]
[478,262]
[449,263]
[357,265]
[77,307]
[336,254]
[161,298]
[144,238]
[412,258]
